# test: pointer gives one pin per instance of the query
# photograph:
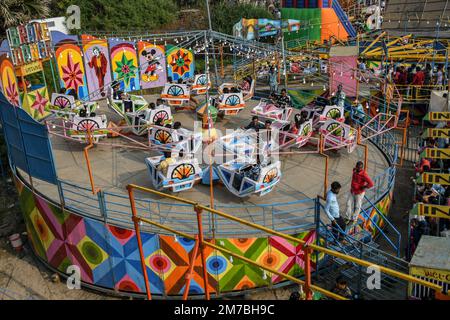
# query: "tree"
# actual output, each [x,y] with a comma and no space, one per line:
[15,12]
[224,16]
[130,15]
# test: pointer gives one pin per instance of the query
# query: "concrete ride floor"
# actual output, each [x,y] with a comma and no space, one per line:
[115,167]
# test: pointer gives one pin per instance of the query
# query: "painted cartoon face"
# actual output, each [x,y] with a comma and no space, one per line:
[96,52]
[149,55]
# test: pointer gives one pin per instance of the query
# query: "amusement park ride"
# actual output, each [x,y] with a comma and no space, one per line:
[179,155]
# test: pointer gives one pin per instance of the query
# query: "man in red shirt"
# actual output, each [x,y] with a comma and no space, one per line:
[360,183]
[419,77]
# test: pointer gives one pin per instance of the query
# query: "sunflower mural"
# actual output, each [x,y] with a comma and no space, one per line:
[9,81]
[124,63]
[180,63]
[70,67]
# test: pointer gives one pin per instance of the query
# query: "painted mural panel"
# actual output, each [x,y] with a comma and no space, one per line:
[36,103]
[180,63]
[70,66]
[108,256]
[342,70]
[152,65]
[124,64]
[9,81]
[97,65]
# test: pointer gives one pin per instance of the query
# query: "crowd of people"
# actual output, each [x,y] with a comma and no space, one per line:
[415,80]
[434,194]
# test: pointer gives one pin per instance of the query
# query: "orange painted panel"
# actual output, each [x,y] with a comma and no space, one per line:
[331,26]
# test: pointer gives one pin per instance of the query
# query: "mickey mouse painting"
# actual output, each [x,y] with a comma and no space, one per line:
[152,65]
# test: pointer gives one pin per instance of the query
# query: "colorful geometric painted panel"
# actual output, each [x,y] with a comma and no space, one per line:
[152,65]
[173,261]
[9,81]
[234,274]
[70,66]
[36,103]
[124,64]
[180,63]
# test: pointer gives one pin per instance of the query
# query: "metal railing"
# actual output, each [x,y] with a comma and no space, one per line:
[308,248]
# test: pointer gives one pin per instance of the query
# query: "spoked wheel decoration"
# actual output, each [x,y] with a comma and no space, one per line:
[160,115]
[163,136]
[333,113]
[271,175]
[183,171]
[62,102]
[202,80]
[339,132]
[306,129]
[175,91]
[87,124]
[232,100]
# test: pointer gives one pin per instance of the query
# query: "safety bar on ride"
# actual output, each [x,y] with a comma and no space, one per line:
[198,208]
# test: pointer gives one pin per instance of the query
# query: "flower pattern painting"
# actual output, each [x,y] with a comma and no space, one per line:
[39,103]
[180,62]
[72,74]
[11,92]
[125,69]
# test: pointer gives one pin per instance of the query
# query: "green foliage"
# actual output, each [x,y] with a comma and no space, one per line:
[129,15]
[224,15]
[15,12]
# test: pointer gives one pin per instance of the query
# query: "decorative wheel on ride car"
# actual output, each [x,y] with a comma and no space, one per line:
[270,175]
[175,91]
[202,80]
[306,129]
[183,171]
[333,113]
[335,129]
[163,136]
[232,100]
[62,102]
[87,124]
[162,114]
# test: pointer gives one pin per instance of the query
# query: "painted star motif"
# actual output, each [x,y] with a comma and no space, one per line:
[125,69]
[72,74]
[39,103]
[11,92]
[295,253]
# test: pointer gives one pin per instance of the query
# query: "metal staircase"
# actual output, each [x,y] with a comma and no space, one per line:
[343,18]
[360,243]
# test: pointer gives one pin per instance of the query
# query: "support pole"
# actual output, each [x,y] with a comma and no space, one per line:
[325,178]
[307,286]
[202,250]
[191,269]
[366,149]
[222,72]
[139,240]
[88,162]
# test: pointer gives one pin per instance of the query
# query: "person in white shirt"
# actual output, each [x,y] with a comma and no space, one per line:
[333,212]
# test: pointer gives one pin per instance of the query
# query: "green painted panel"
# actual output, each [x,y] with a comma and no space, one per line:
[307,17]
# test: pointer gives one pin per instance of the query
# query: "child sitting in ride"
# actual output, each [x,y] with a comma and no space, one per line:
[246,84]
[299,119]
[281,101]
[117,93]
[164,165]
[251,171]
